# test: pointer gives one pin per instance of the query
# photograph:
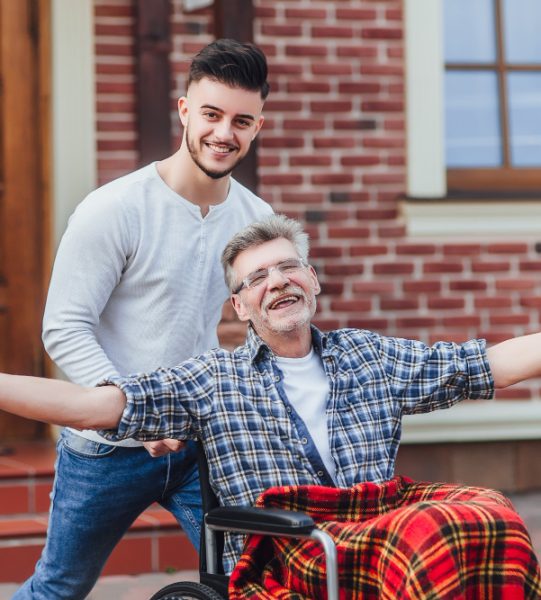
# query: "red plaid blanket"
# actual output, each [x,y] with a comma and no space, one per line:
[397,540]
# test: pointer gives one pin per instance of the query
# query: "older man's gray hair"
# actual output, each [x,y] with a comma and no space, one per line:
[272,228]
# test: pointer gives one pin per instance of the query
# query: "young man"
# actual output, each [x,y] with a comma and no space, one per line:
[294,406]
[137,284]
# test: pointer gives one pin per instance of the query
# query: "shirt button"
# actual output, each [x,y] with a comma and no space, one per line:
[277,378]
[304,441]
[320,473]
[288,409]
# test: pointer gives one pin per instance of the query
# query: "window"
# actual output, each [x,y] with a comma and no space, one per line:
[492,95]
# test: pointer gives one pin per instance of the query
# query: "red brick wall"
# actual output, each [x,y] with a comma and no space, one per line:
[115,88]
[332,153]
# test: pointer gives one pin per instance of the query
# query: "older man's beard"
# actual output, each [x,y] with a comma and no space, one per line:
[212,174]
[263,319]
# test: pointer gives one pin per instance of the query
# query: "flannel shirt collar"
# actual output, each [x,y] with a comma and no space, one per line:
[259,350]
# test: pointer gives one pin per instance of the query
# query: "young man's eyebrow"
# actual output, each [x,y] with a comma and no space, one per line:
[217,109]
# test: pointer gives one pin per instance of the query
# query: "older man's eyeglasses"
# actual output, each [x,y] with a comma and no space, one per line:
[286,267]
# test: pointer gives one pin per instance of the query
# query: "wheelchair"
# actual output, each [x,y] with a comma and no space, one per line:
[245,520]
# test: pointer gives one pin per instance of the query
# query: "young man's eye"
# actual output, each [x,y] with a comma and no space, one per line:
[242,123]
[210,115]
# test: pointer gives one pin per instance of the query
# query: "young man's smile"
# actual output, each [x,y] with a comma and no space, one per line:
[221,148]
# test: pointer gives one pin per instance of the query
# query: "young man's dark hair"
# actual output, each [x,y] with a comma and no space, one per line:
[236,64]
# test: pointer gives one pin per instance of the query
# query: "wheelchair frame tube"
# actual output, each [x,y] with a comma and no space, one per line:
[329,548]
[331,561]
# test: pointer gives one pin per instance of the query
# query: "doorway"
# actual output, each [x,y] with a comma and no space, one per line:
[24,193]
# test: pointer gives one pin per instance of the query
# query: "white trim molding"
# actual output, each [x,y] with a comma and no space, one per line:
[479,421]
[468,218]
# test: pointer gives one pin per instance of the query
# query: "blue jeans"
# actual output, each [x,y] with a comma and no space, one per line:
[99,490]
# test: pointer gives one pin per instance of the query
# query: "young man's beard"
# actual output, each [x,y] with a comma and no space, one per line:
[208,172]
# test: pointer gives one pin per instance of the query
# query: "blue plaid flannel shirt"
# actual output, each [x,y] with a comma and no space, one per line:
[234,401]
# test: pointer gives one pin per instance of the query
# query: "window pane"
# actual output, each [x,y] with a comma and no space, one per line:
[525,119]
[469,31]
[471,120]
[521,26]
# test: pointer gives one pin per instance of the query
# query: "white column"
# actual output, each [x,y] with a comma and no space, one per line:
[424,98]
[73,106]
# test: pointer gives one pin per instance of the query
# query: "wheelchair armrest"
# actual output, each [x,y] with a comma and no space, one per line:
[274,522]
[248,519]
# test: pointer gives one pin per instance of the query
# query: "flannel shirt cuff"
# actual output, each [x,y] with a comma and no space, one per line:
[481,381]
[132,421]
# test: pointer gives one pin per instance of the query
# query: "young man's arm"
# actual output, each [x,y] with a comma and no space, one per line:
[94,239]
[515,360]
[62,403]
[88,266]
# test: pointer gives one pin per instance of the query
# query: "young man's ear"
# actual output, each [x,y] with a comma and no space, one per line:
[239,307]
[182,106]
[258,126]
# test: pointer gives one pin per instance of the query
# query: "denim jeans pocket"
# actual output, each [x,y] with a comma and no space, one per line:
[79,446]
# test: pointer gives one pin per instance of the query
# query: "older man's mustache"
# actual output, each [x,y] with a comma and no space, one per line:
[291,290]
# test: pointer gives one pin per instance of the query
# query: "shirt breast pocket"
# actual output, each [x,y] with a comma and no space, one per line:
[364,410]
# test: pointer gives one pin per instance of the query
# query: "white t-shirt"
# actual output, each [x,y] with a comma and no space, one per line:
[307,388]
[137,281]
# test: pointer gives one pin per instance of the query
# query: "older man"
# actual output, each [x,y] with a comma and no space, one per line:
[295,406]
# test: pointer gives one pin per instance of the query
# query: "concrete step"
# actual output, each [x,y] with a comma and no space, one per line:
[154,543]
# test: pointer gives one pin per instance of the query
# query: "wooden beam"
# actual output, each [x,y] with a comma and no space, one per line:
[234,19]
[153,45]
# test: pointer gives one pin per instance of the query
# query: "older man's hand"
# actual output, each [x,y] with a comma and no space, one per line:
[163,447]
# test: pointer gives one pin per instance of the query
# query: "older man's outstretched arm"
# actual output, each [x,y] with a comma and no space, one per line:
[68,404]
[61,403]
[515,360]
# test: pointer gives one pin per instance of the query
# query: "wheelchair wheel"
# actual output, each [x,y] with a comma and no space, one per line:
[187,590]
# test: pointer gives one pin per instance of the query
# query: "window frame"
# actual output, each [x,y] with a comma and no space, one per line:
[505,177]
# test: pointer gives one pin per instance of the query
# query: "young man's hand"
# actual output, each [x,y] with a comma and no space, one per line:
[163,447]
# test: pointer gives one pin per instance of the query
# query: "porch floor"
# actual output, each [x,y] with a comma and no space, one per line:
[142,563]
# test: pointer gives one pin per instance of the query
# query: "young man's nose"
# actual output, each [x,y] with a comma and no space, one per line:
[224,130]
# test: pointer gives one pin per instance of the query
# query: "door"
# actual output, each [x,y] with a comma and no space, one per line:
[24,189]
